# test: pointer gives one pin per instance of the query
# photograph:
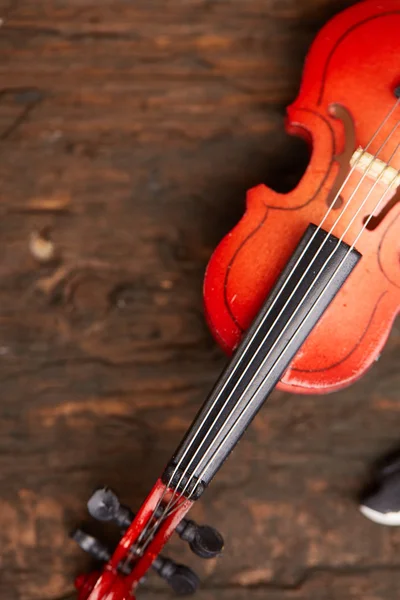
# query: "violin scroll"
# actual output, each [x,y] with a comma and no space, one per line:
[104,505]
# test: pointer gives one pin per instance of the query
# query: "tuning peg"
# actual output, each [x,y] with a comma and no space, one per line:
[180,578]
[205,541]
[94,547]
[104,505]
[91,545]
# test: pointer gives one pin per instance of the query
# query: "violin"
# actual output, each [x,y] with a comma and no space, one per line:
[301,294]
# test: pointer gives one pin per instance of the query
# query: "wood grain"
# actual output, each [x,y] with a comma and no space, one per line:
[129,133]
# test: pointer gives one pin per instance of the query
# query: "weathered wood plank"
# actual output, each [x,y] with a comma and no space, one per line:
[129,133]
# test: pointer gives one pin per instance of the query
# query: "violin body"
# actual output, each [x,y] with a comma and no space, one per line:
[304,289]
[347,91]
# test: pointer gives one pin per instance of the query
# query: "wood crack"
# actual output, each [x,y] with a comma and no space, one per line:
[26,111]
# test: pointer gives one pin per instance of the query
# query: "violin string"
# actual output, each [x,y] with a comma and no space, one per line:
[392,110]
[367,221]
[175,505]
[330,208]
[287,302]
[321,247]
[215,442]
[204,458]
[167,508]
[327,213]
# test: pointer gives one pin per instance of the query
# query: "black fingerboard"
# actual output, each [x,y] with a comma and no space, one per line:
[262,357]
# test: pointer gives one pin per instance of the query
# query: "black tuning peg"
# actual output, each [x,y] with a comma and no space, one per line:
[105,506]
[91,545]
[94,547]
[204,541]
[180,578]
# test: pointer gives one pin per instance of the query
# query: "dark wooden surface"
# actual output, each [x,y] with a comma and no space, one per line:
[129,132]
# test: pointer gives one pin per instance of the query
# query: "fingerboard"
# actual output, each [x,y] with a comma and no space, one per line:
[318,269]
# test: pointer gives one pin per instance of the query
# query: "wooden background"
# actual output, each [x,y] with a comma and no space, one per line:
[129,133]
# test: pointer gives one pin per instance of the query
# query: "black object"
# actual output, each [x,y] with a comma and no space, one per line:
[205,541]
[95,548]
[181,579]
[381,502]
[291,311]
[104,505]
[91,545]
[397,92]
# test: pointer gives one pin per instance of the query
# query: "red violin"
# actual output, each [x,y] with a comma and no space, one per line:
[305,289]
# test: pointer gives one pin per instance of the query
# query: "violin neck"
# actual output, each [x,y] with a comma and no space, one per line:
[292,310]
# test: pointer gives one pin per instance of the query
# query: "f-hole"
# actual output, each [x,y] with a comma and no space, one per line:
[377,219]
